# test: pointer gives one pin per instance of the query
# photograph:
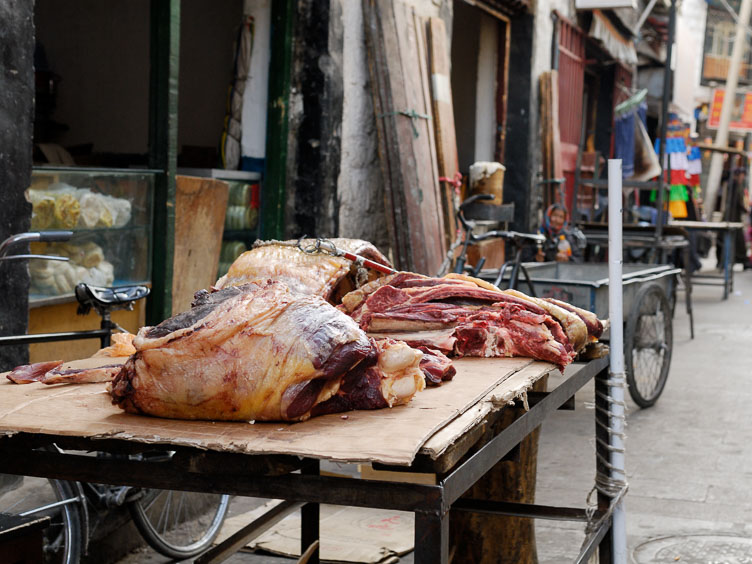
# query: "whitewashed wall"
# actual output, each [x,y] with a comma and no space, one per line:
[690,39]
[253,139]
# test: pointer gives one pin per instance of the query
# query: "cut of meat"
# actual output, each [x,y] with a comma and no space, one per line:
[391,376]
[28,373]
[460,316]
[257,352]
[436,366]
[55,373]
[512,331]
[442,339]
[82,375]
[573,326]
[595,326]
[321,274]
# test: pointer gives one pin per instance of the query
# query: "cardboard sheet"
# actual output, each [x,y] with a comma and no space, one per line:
[348,534]
[389,436]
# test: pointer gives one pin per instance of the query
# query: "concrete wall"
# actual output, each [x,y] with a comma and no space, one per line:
[360,185]
[16,115]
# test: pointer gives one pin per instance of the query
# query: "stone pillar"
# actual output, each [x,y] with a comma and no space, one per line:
[16,121]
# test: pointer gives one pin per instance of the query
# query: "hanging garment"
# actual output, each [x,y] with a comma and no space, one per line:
[694,166]
[624,142]
[646,164]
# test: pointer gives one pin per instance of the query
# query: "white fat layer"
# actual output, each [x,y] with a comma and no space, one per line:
[403,388]
[398,357]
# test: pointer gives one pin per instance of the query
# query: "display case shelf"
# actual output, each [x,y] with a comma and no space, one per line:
[110,214]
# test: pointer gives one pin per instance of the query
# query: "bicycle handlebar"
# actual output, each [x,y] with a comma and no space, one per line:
[512,235]
[32,237]
[55,236]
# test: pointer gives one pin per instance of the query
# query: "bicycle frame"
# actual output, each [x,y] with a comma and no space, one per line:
[519,240]
[106,326]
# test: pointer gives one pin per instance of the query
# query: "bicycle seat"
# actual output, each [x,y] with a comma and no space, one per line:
[99,297]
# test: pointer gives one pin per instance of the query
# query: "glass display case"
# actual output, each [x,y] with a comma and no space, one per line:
[110,214]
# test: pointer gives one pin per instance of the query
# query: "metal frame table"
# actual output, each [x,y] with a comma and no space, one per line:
[726,229]
[276,476]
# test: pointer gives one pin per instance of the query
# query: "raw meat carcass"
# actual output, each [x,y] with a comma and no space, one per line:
[321,274]
[54,373]
[462,316]
[28,373]
[436,366]
[262,352]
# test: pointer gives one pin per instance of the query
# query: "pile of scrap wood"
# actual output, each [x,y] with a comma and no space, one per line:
[550,135]
[409,67]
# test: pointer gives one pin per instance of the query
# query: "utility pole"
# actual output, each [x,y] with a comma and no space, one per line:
[721,137]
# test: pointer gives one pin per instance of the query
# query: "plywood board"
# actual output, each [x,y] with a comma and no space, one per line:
[395,43]
[443,119]
[389,436]
[504,394]
[348,534]
[200,205]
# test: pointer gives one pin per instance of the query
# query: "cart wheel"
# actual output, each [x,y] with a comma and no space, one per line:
[37,497]
[178,524]
[647,345]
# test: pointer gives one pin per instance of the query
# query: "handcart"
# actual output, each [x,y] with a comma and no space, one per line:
[649,294]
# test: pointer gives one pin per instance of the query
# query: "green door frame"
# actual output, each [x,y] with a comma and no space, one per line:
[280,66]
[163,138]
[164,23]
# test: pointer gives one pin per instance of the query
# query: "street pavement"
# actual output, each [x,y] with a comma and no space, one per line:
[689,457]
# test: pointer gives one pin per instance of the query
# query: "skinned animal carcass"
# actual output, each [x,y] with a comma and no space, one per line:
[463,316]
[262,352]
[321,274]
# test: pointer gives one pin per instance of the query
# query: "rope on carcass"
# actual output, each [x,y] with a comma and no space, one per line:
[360,265]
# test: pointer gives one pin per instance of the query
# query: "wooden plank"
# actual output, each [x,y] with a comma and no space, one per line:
[433,204]
[200,205]
[558,170]
[443,122]
[551,145]
[502,87]
[378,51]
[406,146]
[425,222]
[514,386]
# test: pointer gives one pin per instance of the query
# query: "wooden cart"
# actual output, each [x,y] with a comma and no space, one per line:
[439,432]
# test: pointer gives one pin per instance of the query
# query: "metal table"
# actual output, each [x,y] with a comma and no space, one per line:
[277,476]
[721,228]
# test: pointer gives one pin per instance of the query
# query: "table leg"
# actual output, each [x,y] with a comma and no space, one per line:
[688,290]
[603,456]
[309,519]
[728,265]
[431,538]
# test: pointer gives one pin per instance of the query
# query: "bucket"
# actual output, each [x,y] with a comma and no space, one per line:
[488,178]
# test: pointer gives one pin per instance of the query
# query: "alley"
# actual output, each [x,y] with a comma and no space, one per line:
[688,457]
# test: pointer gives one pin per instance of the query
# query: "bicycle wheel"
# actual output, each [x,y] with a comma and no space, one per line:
[179,524]
[27,496]
[647,345]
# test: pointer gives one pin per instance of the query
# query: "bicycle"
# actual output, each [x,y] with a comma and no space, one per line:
[519,240]
[176,524]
